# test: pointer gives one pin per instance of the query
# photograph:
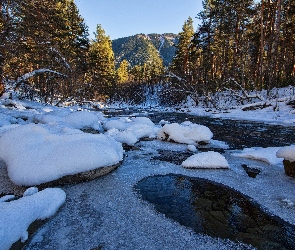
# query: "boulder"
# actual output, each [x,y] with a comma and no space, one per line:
[289,168]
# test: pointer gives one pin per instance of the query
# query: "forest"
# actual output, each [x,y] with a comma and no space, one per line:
[46,54]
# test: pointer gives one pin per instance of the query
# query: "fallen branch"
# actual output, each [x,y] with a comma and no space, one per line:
[36,72]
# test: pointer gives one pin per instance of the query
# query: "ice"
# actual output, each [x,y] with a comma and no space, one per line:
[107,213]
[206,160]
[192,148]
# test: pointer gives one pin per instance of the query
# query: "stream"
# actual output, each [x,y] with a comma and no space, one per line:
[212,208]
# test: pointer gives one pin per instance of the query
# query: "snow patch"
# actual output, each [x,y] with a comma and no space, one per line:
[267,155]
[288,153]
[206,160]
[130,131]
[187,133]
[16,216]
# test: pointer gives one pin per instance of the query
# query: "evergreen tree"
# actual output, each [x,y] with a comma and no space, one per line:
[123,72]
[181,63]
[48,39]
[101,64]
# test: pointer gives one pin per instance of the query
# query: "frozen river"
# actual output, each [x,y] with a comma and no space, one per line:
[108,213]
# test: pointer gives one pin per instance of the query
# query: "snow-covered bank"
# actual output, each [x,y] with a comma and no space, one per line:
[275,107]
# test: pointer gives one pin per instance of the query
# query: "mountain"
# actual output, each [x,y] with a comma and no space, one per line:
[141,48]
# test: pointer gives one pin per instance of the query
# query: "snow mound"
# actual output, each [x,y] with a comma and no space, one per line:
[36,154]
[130,131]
[122,136]
[16,216]
[288,153]
[206,160]
[77,119]
[267,155]
[187,133]
[83,119]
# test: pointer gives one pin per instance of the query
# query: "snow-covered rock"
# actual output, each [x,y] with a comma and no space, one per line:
[130,131]
[267,155]
[16,216]
[122,136]
[35,154]
[187,133]
[288,153]
[83,119]
[209,159]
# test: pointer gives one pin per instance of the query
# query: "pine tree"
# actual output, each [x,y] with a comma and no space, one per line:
[101,64]
[48,37]
[123,72]
[181,64]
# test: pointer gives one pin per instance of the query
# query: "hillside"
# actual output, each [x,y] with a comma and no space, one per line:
[141,48]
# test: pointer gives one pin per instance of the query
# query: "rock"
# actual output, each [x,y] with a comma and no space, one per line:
[251,172]
[289,168]
[80,177]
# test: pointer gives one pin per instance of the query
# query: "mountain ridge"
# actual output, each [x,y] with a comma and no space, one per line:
[141,48]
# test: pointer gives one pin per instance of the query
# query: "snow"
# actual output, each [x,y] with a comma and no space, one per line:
[130,131]
[267,155]
[187,133]
[110,213]
[17,215]
[122,136]
[34,154]
[192,148]
[83,119]
[288,153]
[206,160]
[77,120]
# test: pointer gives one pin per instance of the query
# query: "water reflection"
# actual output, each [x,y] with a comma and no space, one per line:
[238,134]
[216,210]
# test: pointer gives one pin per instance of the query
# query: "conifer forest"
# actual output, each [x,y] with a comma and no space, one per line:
[46,53]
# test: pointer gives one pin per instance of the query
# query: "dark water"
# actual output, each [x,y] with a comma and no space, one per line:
[238,134]
[216,210]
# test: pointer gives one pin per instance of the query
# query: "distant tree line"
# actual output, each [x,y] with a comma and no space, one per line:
[46,53]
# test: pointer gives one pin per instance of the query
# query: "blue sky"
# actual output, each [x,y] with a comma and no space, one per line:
[121,18]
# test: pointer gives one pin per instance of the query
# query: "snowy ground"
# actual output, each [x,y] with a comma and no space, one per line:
[108,213]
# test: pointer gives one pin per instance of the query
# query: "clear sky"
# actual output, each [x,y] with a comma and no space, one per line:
[121,18]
